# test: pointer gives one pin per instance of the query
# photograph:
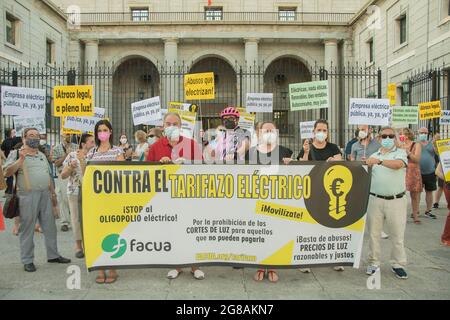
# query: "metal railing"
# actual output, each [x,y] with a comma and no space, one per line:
[301,18]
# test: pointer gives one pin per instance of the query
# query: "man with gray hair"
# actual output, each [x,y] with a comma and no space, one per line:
[36,194]
[388,202]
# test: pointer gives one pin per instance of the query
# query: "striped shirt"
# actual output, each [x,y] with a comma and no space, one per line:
[110,155]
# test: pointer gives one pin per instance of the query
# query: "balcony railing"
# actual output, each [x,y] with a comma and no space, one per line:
[300,18]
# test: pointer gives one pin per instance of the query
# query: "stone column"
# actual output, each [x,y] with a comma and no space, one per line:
[333,117]
[252,81]
[91,53]
[170,91]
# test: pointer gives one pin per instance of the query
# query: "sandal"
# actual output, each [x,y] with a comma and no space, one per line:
[272,276]
[173,274]
[100,279]
[198,274]
[111,278]
[417,221]
[259,275]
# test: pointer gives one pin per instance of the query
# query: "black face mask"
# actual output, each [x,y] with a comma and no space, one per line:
[229,124]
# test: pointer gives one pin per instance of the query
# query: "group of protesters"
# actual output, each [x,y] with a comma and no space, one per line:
[399,165]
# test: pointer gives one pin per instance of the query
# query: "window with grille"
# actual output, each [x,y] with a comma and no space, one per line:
[139,14]
[213,13]
[287,14]
[11,29]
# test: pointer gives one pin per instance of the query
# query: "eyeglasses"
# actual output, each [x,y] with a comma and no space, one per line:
[222,130]
[391,136]
[150,136]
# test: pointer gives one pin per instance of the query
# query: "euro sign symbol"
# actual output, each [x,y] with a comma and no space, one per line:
[337,182]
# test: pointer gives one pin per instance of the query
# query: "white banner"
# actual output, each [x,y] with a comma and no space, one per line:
[259,102]
[25,102]
[84,124]
[146,110]
[374,112]
[21,123]
[307,129]
[445,117]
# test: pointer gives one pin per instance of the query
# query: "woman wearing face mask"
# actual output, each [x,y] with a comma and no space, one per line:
[268,151]
[105,151]
[126,147]
[210,150]
[153,135]
[413,176]
[73,168]
[141,147]
[320,149]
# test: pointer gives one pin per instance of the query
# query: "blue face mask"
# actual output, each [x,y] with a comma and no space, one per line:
[151,140]
[423,137]
[387,143]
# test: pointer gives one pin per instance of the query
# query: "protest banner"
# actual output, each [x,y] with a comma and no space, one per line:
[392,93]
[73,101]
[153,215]
[403,116]
[188,120]
[199,86]
[84,124]
[21,123]
[309,95]
[25,102]
[246,120]
[146,110]
[67,131]
[307,129]
[159,122]
[445,117]
[259,102]
[443,148]
[374,112]
[430,110]
[191,107]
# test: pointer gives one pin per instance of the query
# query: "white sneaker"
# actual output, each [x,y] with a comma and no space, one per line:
[173,274]
[372,269]
[384,235]
[305,270]
[338,268]
[198,274]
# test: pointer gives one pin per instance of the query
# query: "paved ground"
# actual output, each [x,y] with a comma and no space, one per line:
[429,276]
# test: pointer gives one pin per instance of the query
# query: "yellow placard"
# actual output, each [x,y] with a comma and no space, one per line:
[199,86]
[392,93]
[73,101]
[68,131]
[430,110]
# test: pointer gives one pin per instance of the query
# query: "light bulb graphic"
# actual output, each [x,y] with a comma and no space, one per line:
[337,181]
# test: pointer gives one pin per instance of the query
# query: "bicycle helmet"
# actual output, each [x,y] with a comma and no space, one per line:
[230,111]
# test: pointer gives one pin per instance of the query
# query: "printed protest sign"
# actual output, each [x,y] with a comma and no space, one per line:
[84,124]
[429,110]
[443,147]
[309,95]
[21,123]
[73,100]
[392,93]
[307,129]
[68,131]
[445,117]
[259,102]
[191,107]
[403,116]
[374,112]
[246,120]
[163,216]
[25,102]
[188,120]
[146,110]
[199,86]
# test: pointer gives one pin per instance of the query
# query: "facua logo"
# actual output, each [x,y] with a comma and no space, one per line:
[114,244]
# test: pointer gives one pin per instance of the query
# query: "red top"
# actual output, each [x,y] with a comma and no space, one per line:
[186,148]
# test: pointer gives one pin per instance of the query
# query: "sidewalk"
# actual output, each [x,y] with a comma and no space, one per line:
[428,269]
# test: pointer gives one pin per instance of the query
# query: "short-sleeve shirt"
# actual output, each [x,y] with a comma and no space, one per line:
[385,181]
[186,148]
[74,180]
[427,161]
[60,151]
[230,142]
[110,155]
[360,151]
[255,156]
[140,151]
[37,169]
[329,151]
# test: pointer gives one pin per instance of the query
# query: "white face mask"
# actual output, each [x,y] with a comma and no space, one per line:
[172,133]
[362,134]
[43,142]
[123,140]
[321,136]
[269,137]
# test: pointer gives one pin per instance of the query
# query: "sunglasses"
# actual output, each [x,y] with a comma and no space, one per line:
[390,136]
[150,136]
[222,130]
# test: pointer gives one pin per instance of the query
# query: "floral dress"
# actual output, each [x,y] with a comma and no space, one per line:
[413,176]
